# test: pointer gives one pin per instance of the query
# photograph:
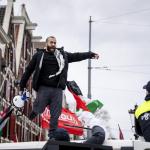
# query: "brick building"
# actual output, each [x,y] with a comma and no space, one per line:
[16,50]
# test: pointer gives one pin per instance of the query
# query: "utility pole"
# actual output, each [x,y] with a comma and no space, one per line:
[89,61]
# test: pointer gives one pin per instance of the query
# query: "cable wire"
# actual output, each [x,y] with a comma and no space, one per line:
[126,66]
[128,71]
[118,70]
[137,25]
[123,14]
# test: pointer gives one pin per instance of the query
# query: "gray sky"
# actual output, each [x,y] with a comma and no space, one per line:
[120,35]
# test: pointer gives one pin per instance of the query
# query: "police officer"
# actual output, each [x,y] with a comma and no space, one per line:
[142,114]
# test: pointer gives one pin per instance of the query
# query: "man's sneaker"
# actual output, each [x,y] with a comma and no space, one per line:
[52,139]
[51,135]
[60,134]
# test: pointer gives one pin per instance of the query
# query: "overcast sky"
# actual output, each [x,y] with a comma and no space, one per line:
[120,35]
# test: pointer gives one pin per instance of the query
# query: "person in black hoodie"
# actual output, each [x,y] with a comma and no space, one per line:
[142,115]
[50,67]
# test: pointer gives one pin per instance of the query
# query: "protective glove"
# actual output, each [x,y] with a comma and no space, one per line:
[25,95]
[20,93]
[94,55]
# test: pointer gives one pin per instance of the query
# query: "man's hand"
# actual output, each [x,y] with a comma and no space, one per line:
[20,93]
[94,56]
[25,94]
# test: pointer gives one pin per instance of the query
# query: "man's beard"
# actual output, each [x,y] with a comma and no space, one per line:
[51,49]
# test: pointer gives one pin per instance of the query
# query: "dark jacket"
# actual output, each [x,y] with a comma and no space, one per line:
[33,66]
[140,124]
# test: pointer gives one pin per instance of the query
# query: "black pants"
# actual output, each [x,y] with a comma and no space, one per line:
[144,121]
[52,97]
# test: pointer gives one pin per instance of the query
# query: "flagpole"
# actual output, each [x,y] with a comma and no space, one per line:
[89,61]
[81,127]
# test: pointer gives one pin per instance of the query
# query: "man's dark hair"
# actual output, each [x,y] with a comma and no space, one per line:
[49,37]
[147,87]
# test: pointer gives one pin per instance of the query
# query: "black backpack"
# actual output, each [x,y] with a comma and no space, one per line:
[72,85]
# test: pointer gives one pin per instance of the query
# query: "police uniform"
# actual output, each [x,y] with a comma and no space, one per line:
[142,114]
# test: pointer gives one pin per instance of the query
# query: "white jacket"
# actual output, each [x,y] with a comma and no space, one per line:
[89,120]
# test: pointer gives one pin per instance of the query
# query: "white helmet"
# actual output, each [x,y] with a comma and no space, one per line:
[18,102]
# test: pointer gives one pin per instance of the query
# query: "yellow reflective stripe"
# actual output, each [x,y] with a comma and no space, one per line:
[144,107]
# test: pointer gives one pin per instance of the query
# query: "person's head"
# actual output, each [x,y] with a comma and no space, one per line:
[98,136]
[61,134]
[147,87]
[51,43]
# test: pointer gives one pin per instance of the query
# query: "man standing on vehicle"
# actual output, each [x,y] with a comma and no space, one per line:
[50,67]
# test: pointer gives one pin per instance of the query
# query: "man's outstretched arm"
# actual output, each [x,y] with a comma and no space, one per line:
[74,57]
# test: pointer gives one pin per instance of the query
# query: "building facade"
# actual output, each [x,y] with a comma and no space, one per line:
[16,50]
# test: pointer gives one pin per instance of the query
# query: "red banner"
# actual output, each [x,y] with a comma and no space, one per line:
[66,118]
